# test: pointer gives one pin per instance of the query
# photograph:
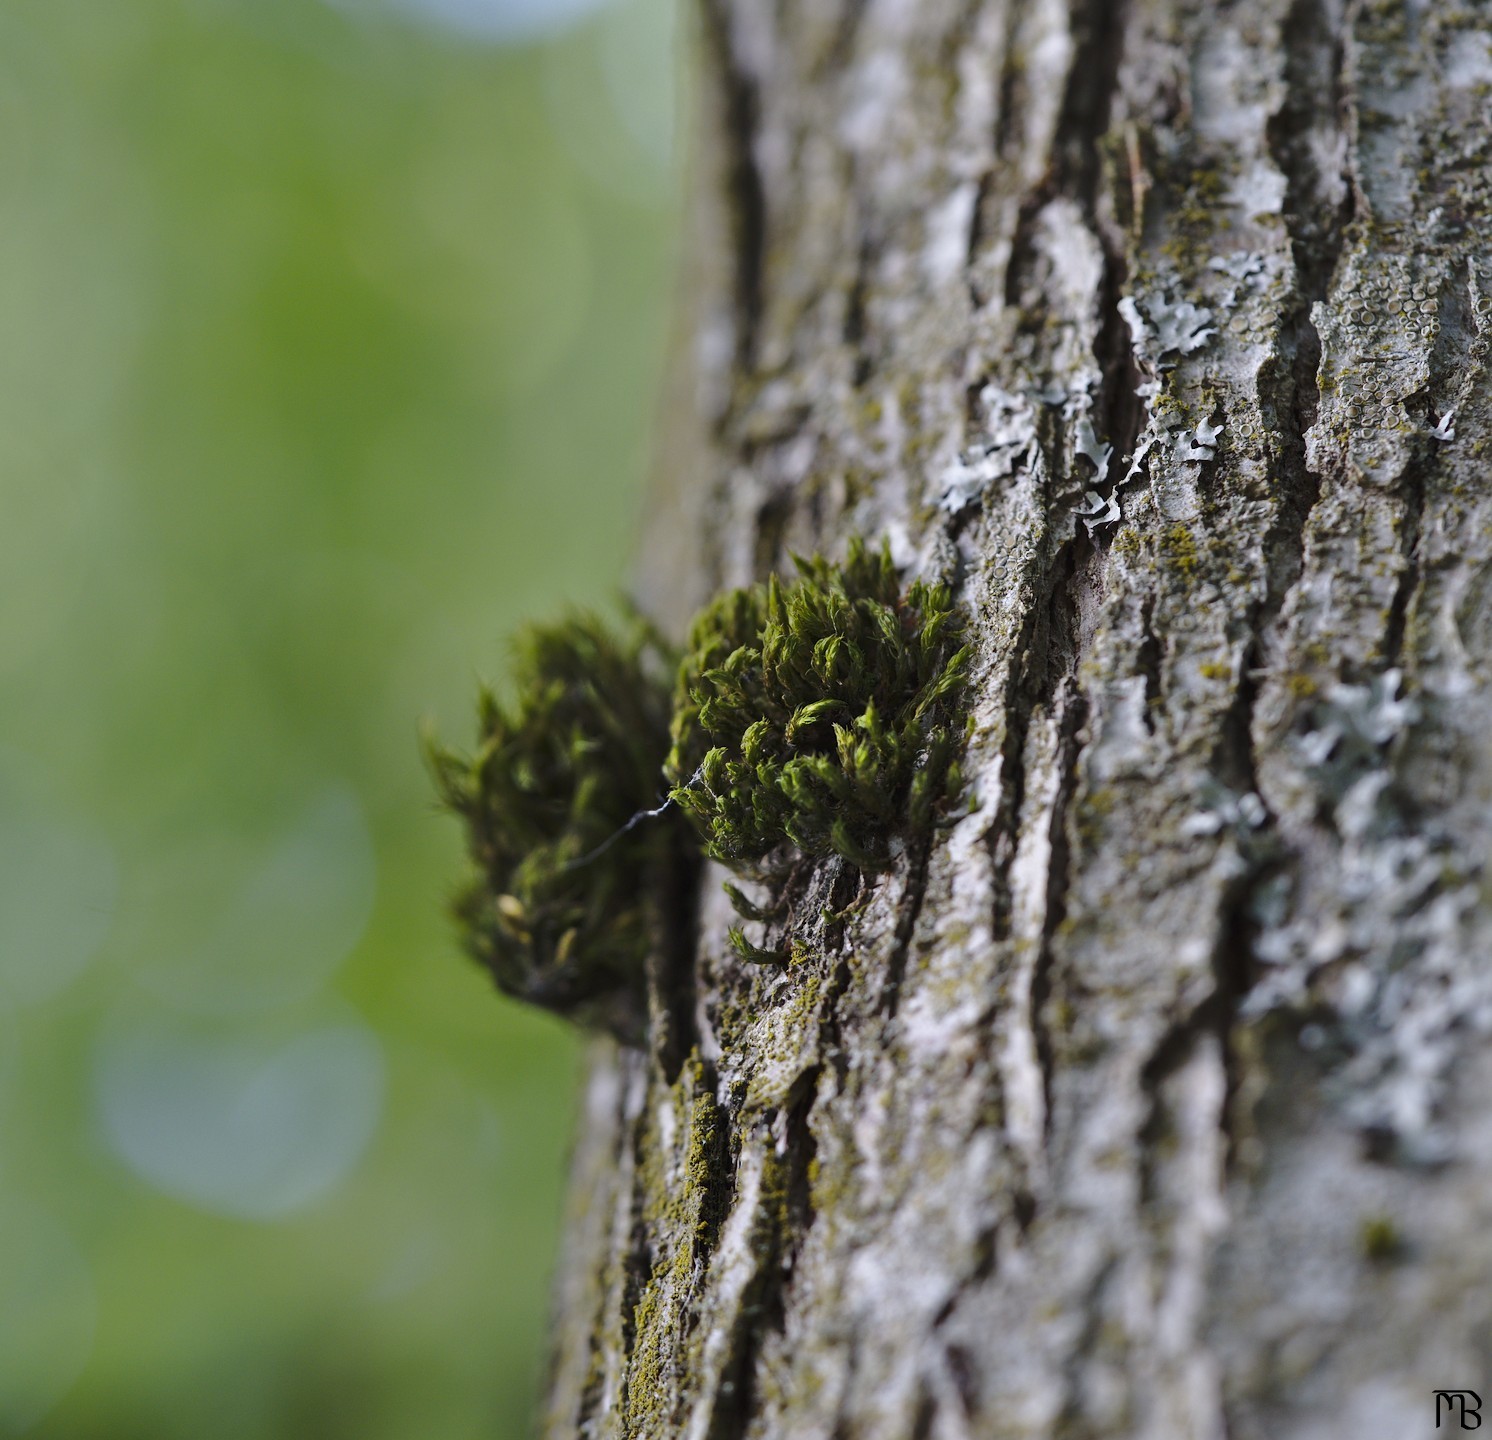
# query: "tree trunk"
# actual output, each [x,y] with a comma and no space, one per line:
[1144,1099]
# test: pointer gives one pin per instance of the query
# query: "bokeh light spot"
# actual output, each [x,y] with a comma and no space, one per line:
[611,98]
[290,922]
[503,22]
[248,1126]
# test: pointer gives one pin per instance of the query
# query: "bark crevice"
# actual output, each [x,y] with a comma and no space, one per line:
[744,188]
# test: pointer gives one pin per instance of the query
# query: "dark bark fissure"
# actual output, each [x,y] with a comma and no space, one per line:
[1003,835]
[1415,482]
[1289,391]
[782,1226]
[1315,59]
[863,366]
[1093,88]
[926,1414]
[672,973]
[741,104]
[1072,717]
[906,923]
[1046,679]
[1010,106]
[1018,273]
[1447,360]
[773,516]
[1233,972]
[637,1259]
[1099,28]
[839,50]
[718,1154]
[1232,965]
[1005,148]
[1070,1423]
[1052,645]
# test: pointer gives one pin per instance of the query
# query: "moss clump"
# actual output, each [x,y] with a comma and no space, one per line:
[814,717]
[818,714]
[558,915]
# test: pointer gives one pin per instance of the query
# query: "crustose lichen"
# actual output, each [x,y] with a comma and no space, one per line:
[810,719]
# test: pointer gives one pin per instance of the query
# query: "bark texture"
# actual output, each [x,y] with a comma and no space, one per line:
[1148,1098]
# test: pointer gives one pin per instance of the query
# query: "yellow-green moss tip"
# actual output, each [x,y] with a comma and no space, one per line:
[1380,1240]
[818,715]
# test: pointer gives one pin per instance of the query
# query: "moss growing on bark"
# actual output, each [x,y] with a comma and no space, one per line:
[559,907]
[809,719]
[818,715]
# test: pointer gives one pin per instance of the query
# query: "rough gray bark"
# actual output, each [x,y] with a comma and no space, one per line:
[1147,1099]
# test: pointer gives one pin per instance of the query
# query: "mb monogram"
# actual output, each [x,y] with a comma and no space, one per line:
[1465,1404]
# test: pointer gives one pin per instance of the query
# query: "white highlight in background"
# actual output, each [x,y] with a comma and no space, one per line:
[252,1126]
[285,927]
[508,22]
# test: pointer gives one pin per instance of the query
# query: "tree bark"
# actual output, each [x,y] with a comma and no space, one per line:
[1147,1098]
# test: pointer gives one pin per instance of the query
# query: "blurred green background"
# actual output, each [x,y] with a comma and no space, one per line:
[329,341]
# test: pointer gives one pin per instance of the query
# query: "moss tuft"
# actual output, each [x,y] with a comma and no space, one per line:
[818,714]
[754,954]
[1379,1239]
[556,918]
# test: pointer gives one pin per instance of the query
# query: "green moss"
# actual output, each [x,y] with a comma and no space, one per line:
[755,954]
[1380,1240]
[814,718]
[556,774]
[818,715]
[683,1216]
